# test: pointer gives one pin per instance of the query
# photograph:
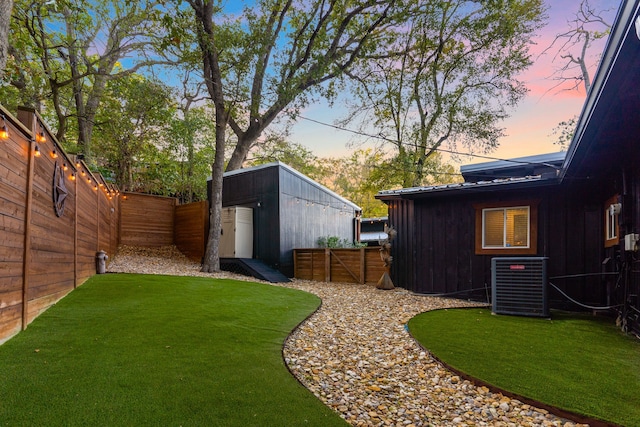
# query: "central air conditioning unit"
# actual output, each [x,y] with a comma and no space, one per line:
[519,286]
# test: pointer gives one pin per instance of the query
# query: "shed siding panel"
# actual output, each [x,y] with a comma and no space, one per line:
[248,189]
[308,213]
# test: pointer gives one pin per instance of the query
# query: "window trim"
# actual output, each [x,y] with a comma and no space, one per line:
[532,249]
[609,242]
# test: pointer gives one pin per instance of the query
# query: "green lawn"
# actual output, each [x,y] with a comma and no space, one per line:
[580,363]
[134,350]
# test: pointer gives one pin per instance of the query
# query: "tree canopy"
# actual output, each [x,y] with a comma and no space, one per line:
[451,81]
[66,51]
[159,93]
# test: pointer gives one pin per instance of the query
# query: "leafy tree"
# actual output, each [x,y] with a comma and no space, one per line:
[24,82]
[361,176]
[276,147]
[190,139]
[276,58]
[6,7]
[353,178]
[79,45]
[572,50]
[452,81]
[573,46]
[129,130]
[564,132]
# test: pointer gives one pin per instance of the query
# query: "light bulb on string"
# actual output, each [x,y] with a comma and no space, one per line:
[4,130]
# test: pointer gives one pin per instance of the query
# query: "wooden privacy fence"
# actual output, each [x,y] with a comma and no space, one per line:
[55,215]
[146,220]
[359,265]
[152,221]
[192,229]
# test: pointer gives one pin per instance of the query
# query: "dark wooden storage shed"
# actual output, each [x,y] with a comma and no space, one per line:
[584,217]
[290,210]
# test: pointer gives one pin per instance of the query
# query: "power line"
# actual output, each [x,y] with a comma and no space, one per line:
[441,150]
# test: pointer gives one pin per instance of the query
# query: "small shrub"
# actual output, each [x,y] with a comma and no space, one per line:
[335,242]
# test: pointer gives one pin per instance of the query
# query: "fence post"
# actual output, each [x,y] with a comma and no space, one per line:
[295,263]
[75,226]
[97,217]
[362,266]
[26,260]
[327,264]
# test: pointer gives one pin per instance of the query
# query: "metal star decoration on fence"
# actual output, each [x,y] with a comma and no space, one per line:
[59,190]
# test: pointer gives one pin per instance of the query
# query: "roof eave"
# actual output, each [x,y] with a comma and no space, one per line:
[623,24]
[465,188]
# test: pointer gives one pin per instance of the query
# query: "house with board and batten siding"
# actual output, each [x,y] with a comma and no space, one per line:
[582,216]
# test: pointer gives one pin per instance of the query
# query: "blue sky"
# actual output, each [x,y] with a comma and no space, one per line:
[528,131]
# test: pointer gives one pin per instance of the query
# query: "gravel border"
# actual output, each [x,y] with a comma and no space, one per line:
[355,354]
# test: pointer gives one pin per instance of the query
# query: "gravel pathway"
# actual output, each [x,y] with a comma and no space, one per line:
[356,356]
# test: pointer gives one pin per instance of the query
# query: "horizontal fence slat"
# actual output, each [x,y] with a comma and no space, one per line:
[345,265]
[44,256]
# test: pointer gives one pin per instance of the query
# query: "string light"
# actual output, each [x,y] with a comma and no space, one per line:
[4,131]
[40,136]
[337,205]
[72,177]
[54,154]
[36,151]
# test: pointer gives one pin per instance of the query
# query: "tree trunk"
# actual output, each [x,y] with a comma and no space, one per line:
[5,18]
[241,151]
[213,81]
[211,261]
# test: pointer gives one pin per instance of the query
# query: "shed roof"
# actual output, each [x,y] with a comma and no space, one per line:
[300,175]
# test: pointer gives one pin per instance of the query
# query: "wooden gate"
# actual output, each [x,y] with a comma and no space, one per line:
[358,265]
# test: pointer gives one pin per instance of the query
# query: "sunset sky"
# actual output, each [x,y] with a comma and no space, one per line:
[529,130]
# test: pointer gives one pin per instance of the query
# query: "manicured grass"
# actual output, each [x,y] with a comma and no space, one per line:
[580,363]
[132,350]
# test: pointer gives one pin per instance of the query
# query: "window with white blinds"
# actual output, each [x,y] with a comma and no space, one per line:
[506,227]
[611,221]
